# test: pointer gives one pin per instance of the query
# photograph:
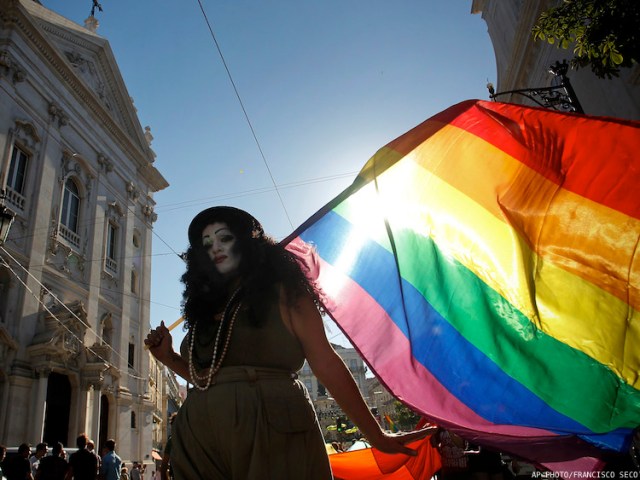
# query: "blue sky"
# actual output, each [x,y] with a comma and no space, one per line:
[325,84]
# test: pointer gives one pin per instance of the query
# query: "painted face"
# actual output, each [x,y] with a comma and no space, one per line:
[220,244]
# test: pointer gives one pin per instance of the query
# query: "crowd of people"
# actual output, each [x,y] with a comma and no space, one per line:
[82,464]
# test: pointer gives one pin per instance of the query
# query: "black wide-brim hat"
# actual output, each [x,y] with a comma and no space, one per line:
[241,222]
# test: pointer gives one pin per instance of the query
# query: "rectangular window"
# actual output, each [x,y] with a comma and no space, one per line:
[112,247]
[70,206]
[17,170]
[131,354]
[112,241]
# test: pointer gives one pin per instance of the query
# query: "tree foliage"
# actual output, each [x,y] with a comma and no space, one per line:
[605,33]
[407,419]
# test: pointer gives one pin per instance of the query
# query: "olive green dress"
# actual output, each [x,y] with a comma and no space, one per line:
[256,421]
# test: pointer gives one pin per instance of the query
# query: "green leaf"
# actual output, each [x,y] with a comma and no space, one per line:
[616,58]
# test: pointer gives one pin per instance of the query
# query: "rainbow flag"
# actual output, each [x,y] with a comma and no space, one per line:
[486,266]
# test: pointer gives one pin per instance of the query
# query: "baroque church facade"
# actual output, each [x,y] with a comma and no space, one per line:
[75,272]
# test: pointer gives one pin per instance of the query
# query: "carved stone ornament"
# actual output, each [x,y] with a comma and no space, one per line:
[56,112]
[115,211]
[73,164]
[8,66]
[63,257]
[5,62]
[62,339]
[53,233]
[99,353]
[26,132]
[19,75]
[133,191]
[105,163]
[147,135]
[47,297]
[148,212]
[87,71]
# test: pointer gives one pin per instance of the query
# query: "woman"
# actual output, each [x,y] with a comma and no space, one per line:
[252,318]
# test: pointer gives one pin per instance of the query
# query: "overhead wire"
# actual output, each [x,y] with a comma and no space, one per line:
[244,111]
[168,207]
[62,304]
[254,191]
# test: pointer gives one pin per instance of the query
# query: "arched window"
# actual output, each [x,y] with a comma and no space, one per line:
[70,206]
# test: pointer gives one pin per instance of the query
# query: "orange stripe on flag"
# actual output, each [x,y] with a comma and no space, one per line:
[371,464]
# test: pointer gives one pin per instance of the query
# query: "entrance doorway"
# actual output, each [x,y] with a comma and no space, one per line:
[104,423]
[56,416]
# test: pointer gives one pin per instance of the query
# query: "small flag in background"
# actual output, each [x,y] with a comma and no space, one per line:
[392,425]
[486,266]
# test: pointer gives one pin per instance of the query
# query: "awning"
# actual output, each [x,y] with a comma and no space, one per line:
[155,455]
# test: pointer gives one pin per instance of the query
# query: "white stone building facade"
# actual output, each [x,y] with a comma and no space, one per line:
[523,63]
[77,170]
[326,407]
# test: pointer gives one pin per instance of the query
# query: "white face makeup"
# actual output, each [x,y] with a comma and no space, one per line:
[219,242]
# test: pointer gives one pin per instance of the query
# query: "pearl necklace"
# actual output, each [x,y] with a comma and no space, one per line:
[195,378]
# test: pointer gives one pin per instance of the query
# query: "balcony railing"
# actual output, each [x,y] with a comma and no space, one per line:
[111,265]
[15,198]
[72,237]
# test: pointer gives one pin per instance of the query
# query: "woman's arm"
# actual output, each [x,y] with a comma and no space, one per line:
[306,323]
[160,345]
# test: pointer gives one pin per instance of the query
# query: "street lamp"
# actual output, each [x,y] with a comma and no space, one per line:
[556,97]
[6,219]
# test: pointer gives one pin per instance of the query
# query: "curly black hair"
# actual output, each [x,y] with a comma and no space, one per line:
[264,264]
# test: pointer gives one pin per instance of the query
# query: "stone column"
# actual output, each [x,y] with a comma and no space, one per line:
[83,416]
[40,405]
[94,428]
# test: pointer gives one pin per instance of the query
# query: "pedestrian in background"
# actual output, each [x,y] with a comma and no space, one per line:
[53,467]
[41,451]
[165,467]
[19,467]
[83,464]
[135,473]
[111,462]
[3,453]
[91,446]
